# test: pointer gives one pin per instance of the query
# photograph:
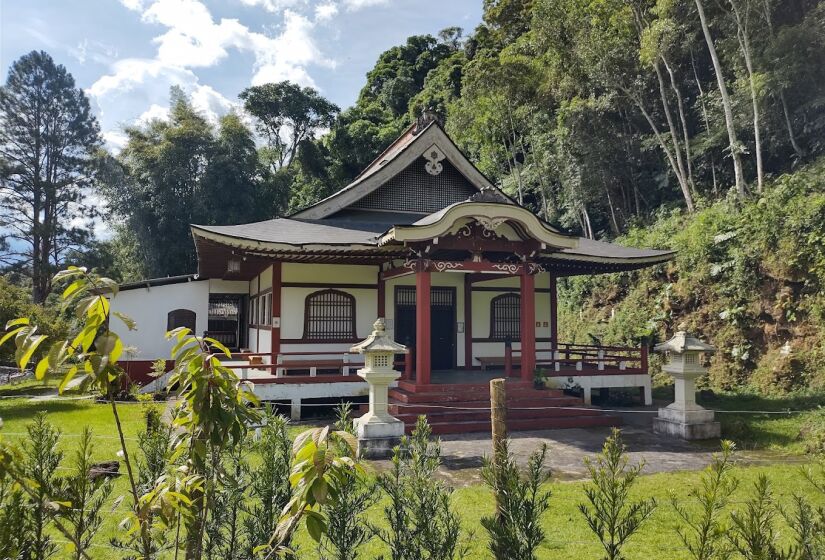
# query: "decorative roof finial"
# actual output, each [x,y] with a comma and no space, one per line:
[425,118]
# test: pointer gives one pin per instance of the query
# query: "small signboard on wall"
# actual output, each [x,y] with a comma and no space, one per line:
[460,327]
[276,322]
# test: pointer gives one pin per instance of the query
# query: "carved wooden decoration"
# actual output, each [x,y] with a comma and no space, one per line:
[434,157]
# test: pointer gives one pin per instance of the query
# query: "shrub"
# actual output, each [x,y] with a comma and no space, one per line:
[515,530]
[421,522]
[610,513]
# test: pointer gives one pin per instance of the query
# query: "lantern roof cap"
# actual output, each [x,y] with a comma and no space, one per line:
[682,342]
[379,341]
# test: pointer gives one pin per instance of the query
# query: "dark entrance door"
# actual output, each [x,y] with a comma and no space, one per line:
[442,323]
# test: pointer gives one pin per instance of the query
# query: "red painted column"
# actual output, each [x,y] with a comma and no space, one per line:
[276,311]
[382,295]
[554,314]
[422,325]
[528,325]
[468,323]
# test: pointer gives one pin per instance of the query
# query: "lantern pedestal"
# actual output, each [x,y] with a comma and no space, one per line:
[684,418]
[378,431]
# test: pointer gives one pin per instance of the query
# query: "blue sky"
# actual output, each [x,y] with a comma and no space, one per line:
[127,53]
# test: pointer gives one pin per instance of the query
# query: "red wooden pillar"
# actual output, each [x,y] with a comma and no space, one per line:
[528,325]
[468,323]
[276,311]
[422,325]
[554,314]
[382,295]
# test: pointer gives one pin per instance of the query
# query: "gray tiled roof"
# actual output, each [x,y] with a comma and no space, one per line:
[292,231]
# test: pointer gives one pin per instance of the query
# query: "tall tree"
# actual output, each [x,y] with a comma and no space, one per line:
[180,171]
[727,105]
[48,139]
[743,13]
[286,115]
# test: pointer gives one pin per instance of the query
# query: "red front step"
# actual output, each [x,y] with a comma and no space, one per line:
[444,406]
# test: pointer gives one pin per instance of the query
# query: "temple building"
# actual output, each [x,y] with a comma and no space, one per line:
[463,275]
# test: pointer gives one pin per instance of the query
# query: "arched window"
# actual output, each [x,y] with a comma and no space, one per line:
[329,315]
[180,318]
[505,317]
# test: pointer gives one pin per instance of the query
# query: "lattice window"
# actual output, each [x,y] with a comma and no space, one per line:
[329,315]
[439,296]
[505,317]
[405,296]
[180,318]
[415,190]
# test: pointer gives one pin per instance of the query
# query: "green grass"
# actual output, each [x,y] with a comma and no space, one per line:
[567,534]
[782,433]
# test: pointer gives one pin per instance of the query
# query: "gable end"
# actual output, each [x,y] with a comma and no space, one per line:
[416,190]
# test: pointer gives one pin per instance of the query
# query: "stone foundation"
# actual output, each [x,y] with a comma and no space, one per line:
[377,438]
[691,424]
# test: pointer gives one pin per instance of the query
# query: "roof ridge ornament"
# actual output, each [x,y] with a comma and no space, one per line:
[426,117]
[489,194]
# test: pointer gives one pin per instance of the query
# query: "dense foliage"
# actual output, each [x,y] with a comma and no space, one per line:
[750,278]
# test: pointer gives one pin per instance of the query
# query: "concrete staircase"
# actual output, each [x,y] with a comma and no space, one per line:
[450,408]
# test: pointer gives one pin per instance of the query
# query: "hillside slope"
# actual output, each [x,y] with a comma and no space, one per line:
[748,277]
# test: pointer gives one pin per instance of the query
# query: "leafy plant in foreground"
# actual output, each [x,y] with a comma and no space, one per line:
[753,531]
[703,534]
[421,522]
[346,527]
[610,513]
[515,531]
[83,495]
[269,489]
[40,467]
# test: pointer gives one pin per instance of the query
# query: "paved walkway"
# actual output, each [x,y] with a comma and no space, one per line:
[462,454]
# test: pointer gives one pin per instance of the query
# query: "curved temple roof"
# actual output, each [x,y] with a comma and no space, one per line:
[336,229]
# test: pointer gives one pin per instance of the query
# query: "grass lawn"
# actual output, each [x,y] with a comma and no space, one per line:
[782,433]
[567,534]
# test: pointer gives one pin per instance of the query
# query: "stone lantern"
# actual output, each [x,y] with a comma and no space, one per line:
[377,430]
[684,418]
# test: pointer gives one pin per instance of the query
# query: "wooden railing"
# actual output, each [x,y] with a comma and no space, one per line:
[589,359]
[342,363]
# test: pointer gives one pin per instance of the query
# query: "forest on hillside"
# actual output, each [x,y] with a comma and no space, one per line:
[689,124]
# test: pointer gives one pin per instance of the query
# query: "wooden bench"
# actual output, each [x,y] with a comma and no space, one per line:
[495,361]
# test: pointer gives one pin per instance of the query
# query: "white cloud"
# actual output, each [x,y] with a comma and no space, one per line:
[286,56]
[273,6]
[353,5]
[115,140]
[325,12]
[193,39]
[154,113]
[134,5]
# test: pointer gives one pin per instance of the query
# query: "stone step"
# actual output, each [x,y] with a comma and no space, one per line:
[457,395]
[423,408]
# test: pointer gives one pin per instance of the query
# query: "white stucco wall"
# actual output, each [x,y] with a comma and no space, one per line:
[149,308]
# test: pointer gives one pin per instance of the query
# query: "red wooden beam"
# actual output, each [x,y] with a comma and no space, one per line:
[382,298]
[422,327]
[468,322]
[275,332]
[528,326]
[554,313]
[396,272]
